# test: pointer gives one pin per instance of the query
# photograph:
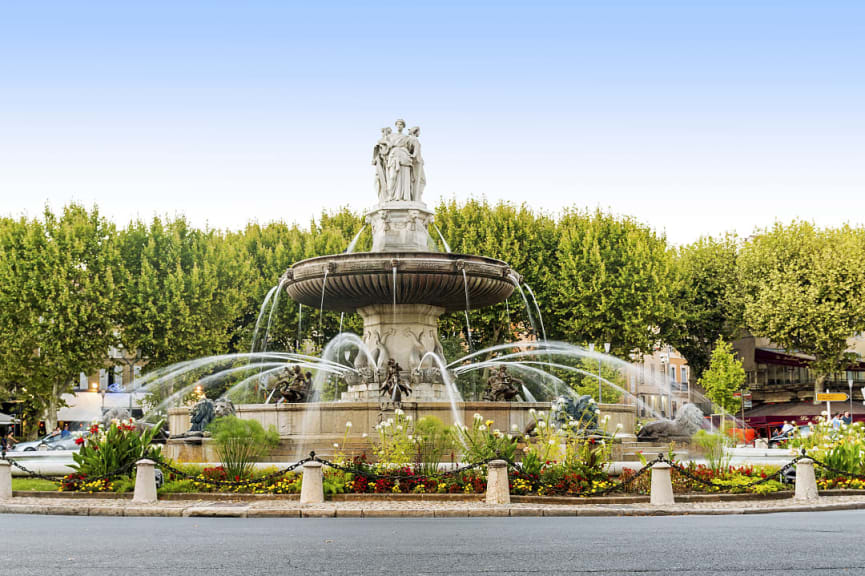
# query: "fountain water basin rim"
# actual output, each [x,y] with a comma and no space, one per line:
[367,278]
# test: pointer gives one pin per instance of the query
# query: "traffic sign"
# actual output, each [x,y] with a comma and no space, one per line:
[831,397]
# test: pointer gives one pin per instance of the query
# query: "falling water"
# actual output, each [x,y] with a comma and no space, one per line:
[445,242]
[394,293]
[341,316]
[354,240]
[541,320]
[299,325]
[272,310]
[508,312]
[515,281]
[468,307]
[321,306]
[454,396]
[538,310]
[528,395]
[261,315]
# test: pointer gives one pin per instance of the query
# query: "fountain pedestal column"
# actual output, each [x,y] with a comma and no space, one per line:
[405,333]
[400,227]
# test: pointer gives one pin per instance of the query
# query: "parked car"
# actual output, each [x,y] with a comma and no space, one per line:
[780,440]
[52,442]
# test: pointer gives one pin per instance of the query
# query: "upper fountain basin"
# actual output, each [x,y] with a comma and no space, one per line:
[367,278]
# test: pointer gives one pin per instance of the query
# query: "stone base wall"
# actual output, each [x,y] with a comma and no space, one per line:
[319,426]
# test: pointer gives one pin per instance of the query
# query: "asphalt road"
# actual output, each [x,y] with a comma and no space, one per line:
[788,544]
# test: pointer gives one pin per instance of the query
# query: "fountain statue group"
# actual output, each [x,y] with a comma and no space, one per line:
[294,385]
[501,386]
[399,170]
[393,386]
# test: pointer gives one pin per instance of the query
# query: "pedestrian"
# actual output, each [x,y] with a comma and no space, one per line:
[836,421]
[65,433]
[10,441]
[847,419]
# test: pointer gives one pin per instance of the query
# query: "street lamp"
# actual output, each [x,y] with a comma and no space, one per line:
[850,385]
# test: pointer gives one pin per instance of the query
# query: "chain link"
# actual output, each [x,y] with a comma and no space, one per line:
[33,474]
[835,470]
[279,473]
[686,472]
[370,475]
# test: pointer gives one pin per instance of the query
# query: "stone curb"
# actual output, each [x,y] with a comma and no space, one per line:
[215,510]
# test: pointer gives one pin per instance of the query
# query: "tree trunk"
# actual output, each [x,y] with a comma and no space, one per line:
[51,408]
[818,386]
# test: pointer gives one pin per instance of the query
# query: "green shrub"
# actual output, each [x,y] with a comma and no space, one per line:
[241,443]
[432,441]
[114,451]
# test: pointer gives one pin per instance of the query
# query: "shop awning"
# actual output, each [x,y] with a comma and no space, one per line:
[797,412]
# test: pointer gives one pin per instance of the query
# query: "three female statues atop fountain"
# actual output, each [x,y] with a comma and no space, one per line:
[399,169]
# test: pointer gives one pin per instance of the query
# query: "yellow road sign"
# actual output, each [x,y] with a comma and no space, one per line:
[832,397]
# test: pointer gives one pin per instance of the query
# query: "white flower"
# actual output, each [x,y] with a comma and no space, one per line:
[515,428]
[477,416]
[390,421]
[398,412]
[540,413]
[410,437]
[597,411]
[497,432]
[606,418]
[532,411]
[348,424]
[542,424]
[482,428]
[552,441]
[364,435]
[408,418]
[335,445]
[619,426]
[399,428]
[510,437]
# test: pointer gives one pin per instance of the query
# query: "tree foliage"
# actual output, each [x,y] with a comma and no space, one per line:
[610,283]
[804,289]
[56,303]
[724,377]
[704,296]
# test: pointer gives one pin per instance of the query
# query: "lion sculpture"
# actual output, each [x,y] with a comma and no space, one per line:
[687,422]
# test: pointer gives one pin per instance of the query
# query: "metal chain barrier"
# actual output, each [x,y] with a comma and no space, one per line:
[371,475]
[33,474]
[213,482]
[834,470]
[684,471]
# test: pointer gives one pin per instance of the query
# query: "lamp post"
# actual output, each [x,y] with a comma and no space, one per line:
[850,385]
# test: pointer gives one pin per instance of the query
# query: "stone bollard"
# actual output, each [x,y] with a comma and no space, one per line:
[5,480]
[806,482]
[662,485]
[498,487]
[311,487]
[145,482]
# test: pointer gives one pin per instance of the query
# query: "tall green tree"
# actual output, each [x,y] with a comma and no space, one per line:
[57,303]
[515,234]
[611,283]
[724,377]
[182,290]
[804,289]
[704,294]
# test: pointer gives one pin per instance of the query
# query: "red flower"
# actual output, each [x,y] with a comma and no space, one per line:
[79,441]
[237,478]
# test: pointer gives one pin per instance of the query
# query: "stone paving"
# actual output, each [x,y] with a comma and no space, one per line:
[84,506]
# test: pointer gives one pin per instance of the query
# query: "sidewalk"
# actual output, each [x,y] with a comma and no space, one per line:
[83,506]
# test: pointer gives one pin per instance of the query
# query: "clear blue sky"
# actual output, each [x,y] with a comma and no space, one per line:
[694,116]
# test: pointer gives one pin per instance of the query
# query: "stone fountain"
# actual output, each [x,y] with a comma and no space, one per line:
[400,289]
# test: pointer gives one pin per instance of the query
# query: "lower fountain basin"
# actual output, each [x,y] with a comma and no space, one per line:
[318,426]
[367,278]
